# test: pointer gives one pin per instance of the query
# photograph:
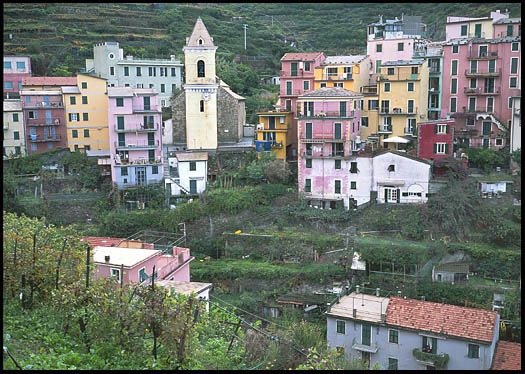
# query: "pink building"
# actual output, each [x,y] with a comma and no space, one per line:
[135,136]
[296,78]
[16,68]
[479,27]
[484,76]
[507,27]
[328,138]
[132,261]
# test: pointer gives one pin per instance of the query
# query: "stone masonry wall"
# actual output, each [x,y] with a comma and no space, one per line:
[178,106]
[228,112]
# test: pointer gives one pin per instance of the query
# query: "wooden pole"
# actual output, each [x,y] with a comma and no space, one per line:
[121,276]
[233,336]
[87,266]
[153,279]
[59,261]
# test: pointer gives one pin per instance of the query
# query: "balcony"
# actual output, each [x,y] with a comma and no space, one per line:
[323,138]
[293,92]
[434,70]
[410,132]
[300,74]
[335,77]
[430,359]
[146,110]
[336,114]
[277,145]
[137,145]
[478,91]
[43,104]
[474,74]
[384,129]
[139,161]
[139,128]
[56,122]
[482,56]
[42,139]
[372,348]
[399,111]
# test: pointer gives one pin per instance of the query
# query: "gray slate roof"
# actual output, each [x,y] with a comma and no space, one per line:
[70,90]
[504,21]
[332,92]
[343,59]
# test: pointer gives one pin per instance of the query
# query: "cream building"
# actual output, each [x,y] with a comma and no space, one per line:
[14,134]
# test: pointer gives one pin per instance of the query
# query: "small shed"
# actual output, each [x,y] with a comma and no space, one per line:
[307,302]
[452,269]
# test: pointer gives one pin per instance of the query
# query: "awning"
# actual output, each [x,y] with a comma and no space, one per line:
[365,348]
[393,182]
[396,139]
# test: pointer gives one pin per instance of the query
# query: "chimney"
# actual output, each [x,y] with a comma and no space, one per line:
[423,298]
[172,57]
[383,317]
[380,19]
[354,313]
[106,258]
[357,289]
[377,292]
[398,293]
[129,57]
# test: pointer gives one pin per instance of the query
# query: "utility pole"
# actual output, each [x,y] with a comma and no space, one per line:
[245,27]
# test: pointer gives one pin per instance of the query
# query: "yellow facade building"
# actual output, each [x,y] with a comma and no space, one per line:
[273,133]
[402,92]
[86,106]
[369,116]
[348,72]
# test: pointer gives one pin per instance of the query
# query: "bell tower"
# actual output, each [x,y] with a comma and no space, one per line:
[200,89]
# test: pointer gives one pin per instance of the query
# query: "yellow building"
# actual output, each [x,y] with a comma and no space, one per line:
[348,72]
[403,99]
[369,116]
[86,106]
[274,127]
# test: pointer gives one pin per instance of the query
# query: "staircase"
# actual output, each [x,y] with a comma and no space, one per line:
[167,175]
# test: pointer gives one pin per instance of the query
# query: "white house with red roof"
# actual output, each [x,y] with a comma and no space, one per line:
[408,334]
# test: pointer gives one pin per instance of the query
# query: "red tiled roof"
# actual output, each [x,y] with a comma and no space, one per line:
[469,323]
[101,241]
[507,356]
[306,56]
[49,81]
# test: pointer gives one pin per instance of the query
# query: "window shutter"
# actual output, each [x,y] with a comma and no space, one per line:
[69,114]
[435,129]
[435,148]
[398,193]
[446,128]
[446,149]
[386,195]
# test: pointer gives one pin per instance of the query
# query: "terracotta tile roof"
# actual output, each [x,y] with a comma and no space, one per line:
[469,323]
[49,81]
[96,241]
[305,56]
[507,356]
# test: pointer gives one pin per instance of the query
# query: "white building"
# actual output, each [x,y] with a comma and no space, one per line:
[14,142]
[163,75]
[188,173]
[515,129]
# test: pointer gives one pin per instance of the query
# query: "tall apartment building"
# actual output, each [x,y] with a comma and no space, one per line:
[135,136]
[484,76]
[15,69]
[297,78]
[44,112]
[162,75]
[86,107]
[14,142]
[393,40]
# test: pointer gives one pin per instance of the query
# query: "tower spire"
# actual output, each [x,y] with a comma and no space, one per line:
[200,37]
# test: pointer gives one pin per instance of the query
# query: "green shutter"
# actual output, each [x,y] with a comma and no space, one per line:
[446,128]
[446,149]
[435,148]
[398,194]
[435,129]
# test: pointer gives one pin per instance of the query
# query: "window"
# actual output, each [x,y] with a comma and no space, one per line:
[19,85]
[139,71]
[293,69]
[340,327]
[74,133]
[499,142]
[288,105]
[85,117]
[454,67]
[387,87]
[453,104]
[509,30]
[49,145]
[455,49]
[86,133]
[120,101]
[454,86]
[411,125]
[72,100]
[441,129]
[490,104]
[173,72]
[510,102]
[492,66]
[471,104]
[7,64]
[464,30]
[322,85]
[123,171]
[353,167]
[152,71]
[338,164]
[514,65]
[513,83]
[337,186]
[338,84]
[410,106]
[486,127]
[307,185]
[373,104]
[17,150]
[482,51]
[111,70]
[391,168]
[33,147]
[353,185]
[379,48]
[84,85]
[151,85]
[87,148]
[140,85]
[15,117]
[364,121]
[515,47]
[308,130]
[429,345]
[392,363]
[115,273]
[202,105]
[473,351]
[126,71]
[393,336]
[337,131]
[22,64]
[162,87]
[73,117]
[84,100]
[399,46]
[16,135]
[472,83]
[306,85]
[440,148]
[477,30]
[410,87]
[306,66]
[154,169]
[32,115]
[414,70]
[8,85]
[390,71]
[308,163]
[193,166]
[378,64]
[200,69]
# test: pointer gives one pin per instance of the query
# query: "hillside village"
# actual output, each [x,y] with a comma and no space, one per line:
[369,219]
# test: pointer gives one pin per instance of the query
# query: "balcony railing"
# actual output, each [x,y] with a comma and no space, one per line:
[139,161]
[410,132]
[56,122]
[430,359]
[384,128]
[293,92]
[469,73]
[480,91]
[41,138]
[44,104]
[336,77]
[398,111]
[326,138]
[337,114]
[139,128]
[137,145]
[482,55]
[434,70]
[300,74]
[146,110]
